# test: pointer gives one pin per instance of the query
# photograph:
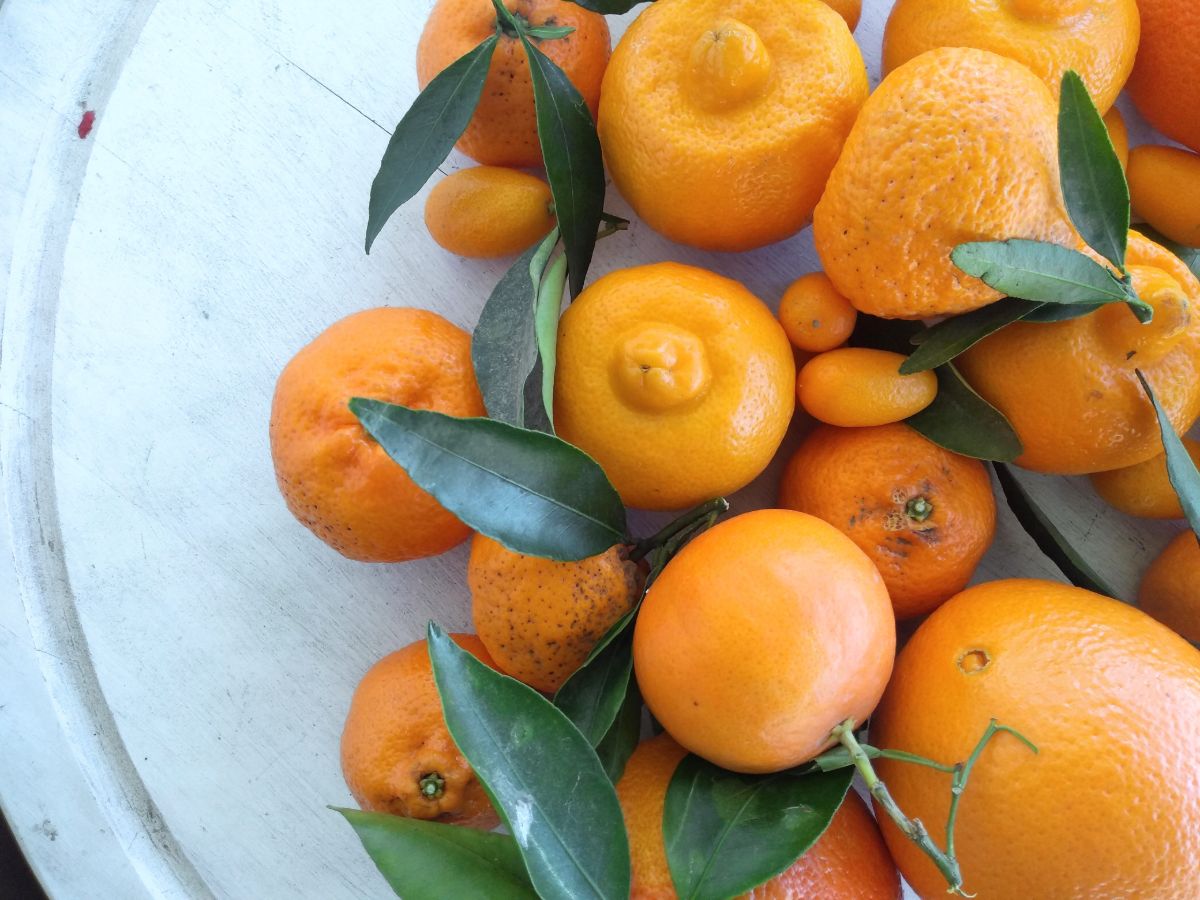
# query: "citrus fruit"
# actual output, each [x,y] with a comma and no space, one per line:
[1110,698]
[1145,489]
[814,315]
[1164,186]
[1164,79]
[956,145]
[760,636]
[1070,389]
[488,211]
[503,130]
[720,119]
[539,618]
[677,381]
[850,10]
[335,478]
[397,755]
[1118,133]
[848,862]
[1096,38]
[1170,590]
[855,386]
[925,516]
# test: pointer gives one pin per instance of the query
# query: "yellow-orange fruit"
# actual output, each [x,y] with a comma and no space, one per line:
[1164,187]
[814,315]
[856,386]
[488,211]
[1164,79]
[1145,489]
[1119,134]
[850,10]
[1170,590]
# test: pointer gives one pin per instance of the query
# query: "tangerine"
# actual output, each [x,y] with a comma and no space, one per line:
[1170,589]
[1167,70]
[814,315]
[1164,187]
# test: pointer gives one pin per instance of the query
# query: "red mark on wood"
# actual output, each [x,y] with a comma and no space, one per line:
[86,123]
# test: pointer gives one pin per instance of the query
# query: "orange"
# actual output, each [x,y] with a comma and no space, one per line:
[1096,38]
[1069,388]
[760,636]
[957,145]
[850,10]
[335,478]
[1110,698]
[677,381]
[1118,133]
[538,618]
[1164,79]
[503,130]
[814,315]
[1164,186]
[1170,590]
[848,862]
[1145,489]
[489,211]
[925,516]
[397,755]
[856,386]
[720,119]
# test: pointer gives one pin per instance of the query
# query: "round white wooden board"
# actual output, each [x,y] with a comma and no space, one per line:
[178,653]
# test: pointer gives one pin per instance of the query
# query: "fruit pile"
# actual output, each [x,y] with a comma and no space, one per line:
[983,303]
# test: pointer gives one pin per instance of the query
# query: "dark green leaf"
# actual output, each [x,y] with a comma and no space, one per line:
[432,861]
[530,491]
[610,7]
[541,774]
[1092,179]
[1047,536]
[549,308]
[728,833]
[896,335]
[1061,312]
[963,422]
[426,134]
[535,409]
[1181,469]
[942,342]
[622,738]
[593,694]
[1189,255]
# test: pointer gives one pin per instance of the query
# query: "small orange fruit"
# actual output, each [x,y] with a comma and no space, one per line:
[335,478]
[925,516]
[676,380]
[1110,698]
[503,130]
[1164,79]
[848,862]
[856,386]
[1170,590]
[1164,186]
[1145,489]
[850,10]
[814,315]
[489,211]
[760,636]
[540,619]
[1118,133]
[397,755]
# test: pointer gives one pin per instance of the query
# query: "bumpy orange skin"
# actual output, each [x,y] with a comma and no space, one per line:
[538,618]
[1170,590]
[1110,698]
[957,145]
[721,119]
[762,635]
[503,130]
[1164,79]
[1070,389]
[488,211]
[395,735]
[850,10]
[1118,133]
[814,315]
[677,381]
[848,862]
[1145,489]
[1096,38]
[1164,186]
[856,386]
[335,478]
[925,516]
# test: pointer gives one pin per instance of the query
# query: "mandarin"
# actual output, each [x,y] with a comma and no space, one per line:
[1118,133]
[814,315]
[1167,70]
[1145,489]
[1164,187]
[1170,589]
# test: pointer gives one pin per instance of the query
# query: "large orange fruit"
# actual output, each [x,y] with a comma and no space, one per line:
[1110,698]
[720,119]
[1170,589]
[1164,79]
[760,636]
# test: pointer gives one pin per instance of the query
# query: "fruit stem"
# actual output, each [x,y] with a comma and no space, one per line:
[918,509]
[672,536]
[962,772]
[612,224]
[432,785]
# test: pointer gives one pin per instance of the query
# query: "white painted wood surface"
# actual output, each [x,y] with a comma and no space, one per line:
[178,653]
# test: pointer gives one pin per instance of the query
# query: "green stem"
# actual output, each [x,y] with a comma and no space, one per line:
[703,515]
[963,771]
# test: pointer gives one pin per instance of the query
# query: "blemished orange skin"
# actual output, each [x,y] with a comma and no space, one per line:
[857,386]
[954,146]
[814,315]
[539,618]
[489,211]
[760,636]
[721,119]
[503,130]
[848,862]
[1110,698]
[395,735]
[1070,389]
[1164,187]
[1144,490]
[335,478]
[925,516]
[1096,38]
[1170,589]
[850,10]
[1164,79]
[679,382]
[1118,133]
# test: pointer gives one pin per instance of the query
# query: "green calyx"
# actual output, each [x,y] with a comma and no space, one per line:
[432,786]
[918,509]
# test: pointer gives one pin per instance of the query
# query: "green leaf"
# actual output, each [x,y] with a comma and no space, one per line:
[548,32]
[1181,469]
[426,134]
[944,341]
[535,409]
[592,696]
[430,861]
[549,308]
[1047,536]
[532,492]
[541,774]
[622,738]
[963,422]
[1047,313]
[1189,255]
[728,833]
[1092,179]
[609,7]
